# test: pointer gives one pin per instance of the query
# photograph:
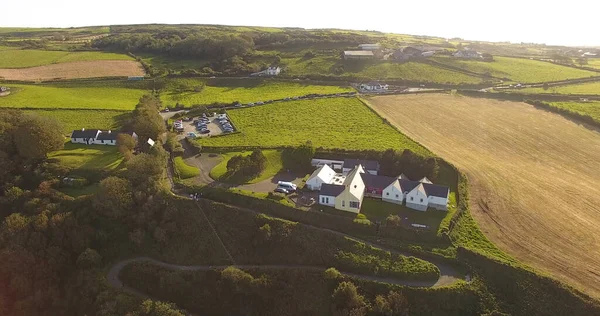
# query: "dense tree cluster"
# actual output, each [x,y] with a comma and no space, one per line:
[393,163]
[147,123]
[247,167]
[298,159]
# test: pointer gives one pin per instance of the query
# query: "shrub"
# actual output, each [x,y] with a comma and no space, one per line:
[332,274]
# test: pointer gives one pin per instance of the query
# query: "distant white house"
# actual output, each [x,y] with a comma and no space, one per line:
[4,89]
[369,46]
[270,71]
[97,137]
[358,54]
[373,86]
[471,54]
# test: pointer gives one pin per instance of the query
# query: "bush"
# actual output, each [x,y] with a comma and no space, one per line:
[332,274]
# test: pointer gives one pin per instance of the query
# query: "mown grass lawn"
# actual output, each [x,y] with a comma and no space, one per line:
[184,170]
[71,97]
[243,91]
[584,88]
[21,58]
[518,69]
[344,123]
[78,119]
[328,65]
[97,157]
[377,209]
[274,165]
[77,192]
[584,108]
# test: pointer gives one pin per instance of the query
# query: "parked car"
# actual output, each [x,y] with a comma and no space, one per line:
[287,185]
[187,119]
[295,98]
[250,104]
[260,103]
[237,105]
[287,99]
[191,135]
[282,190]
[204,131]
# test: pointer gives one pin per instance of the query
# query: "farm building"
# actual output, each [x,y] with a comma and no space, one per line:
[270,71]
[373,86]
[97,137]
[358,54]
[4,89]
[370,166]
[471,54]
[369,46]
[346,193]
[335,164]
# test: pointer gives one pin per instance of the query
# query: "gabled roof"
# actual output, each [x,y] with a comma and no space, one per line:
[403,176]
[428,189]
[367,164]
[331,189]
[84,133]
[353,174]
[107,135]
[425,180]
[373,83]
[325,173]
[373,181]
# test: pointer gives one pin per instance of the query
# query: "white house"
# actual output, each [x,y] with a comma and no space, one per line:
[84,136]
[374,86]
[4,89]
[393,193]
[471,54]
[328,194]
[417,198]
[323,174]
[97,137]
[358,54]
[272,71]
[347,196]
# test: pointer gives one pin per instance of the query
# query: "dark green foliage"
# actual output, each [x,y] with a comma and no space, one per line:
[347,301]
[90,258]
[36,136]
[414,166]
[114,197]
[246,167]
[147,123]
[298,159]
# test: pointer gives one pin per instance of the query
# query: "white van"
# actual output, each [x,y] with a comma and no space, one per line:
[287,185]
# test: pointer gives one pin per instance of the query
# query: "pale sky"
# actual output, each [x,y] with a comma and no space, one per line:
[573,22]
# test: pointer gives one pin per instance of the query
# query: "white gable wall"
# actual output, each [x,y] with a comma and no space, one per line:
[392,193]
[417,199]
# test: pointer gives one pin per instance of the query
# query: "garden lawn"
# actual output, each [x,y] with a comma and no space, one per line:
[77,192]
[518,69]
[274,165]
[71,97]
[184,170]
[344,123]
[591,109]
[90,119]
[97,157]
[30,58]
[243,91]
[584,88]
[415,71]
[377,209]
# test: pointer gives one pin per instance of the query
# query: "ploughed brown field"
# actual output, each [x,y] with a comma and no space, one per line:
[73,70]
[534,176]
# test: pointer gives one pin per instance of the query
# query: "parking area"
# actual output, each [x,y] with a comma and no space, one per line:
[203,126]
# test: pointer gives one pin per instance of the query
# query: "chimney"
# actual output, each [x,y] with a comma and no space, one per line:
[109,131]
[83,129]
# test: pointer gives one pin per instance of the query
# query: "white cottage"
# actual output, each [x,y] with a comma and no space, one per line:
[323,174]
[84,136]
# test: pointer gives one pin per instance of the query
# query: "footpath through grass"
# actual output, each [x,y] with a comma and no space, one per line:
[334,66]
[183,91]
[584,88]
[274,165]
[344,123]
[518,69]
[72,97]
[13,58]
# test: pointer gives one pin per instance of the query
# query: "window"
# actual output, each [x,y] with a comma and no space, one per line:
[355,186]
[327,200]
[354,204]
[343,203]
[388,193]
[322,199]
[421,200]
[396,195]
[411,198]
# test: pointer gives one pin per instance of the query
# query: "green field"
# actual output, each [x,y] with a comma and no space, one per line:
[97,157]
[518,69]
[327,65]
[274,165]
[584,88]
[591,109]
[593,63]
[77,119]
[71,97]
[244,91]
[344,123]
[30,58]
[184,170]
